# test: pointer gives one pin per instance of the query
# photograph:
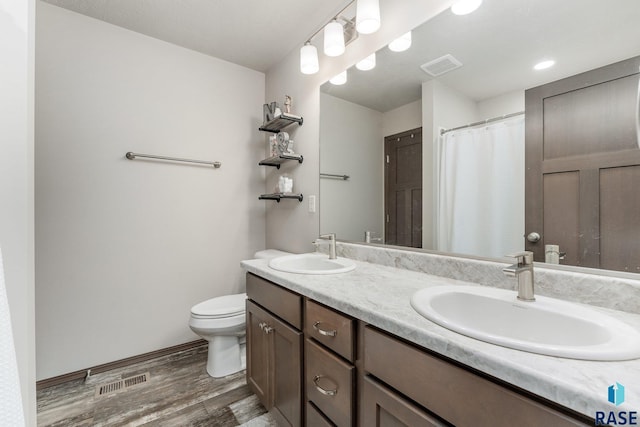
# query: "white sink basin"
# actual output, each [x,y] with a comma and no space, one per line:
[546,326]
[312,263]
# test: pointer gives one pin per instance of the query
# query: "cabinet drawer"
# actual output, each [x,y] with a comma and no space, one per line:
[280,301]
[329,327]
[455,394]
[315,418]
[329,383]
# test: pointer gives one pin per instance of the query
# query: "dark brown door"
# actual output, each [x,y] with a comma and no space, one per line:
[583,167]
[403,188]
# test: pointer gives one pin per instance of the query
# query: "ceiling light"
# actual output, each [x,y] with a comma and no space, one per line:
[464,7]
[340,79]
[309,59]
[544,64]
[367,16]
[368,63]
[402,43]
[333,39]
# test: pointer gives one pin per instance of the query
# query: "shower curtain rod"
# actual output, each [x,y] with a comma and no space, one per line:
[482,122]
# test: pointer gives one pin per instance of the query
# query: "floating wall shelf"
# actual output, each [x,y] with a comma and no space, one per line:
[278,196]
[278,160]
[281,122]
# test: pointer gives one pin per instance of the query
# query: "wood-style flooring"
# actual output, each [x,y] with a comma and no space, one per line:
[178,392]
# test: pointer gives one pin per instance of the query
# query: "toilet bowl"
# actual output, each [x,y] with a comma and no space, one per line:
[222,322]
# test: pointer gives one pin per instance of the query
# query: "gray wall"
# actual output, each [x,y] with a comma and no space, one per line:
[125,248]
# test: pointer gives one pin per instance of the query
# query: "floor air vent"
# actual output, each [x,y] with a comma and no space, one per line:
[122,384]
[441,65]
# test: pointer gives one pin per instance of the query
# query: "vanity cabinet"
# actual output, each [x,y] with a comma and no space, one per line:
[343,372]
[274,349]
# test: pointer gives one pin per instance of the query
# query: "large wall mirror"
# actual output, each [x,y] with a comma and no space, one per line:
[400,165]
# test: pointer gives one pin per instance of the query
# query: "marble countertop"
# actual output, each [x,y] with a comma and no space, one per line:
[380,295]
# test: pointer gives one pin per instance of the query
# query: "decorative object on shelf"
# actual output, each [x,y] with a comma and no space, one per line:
[283,143]
[287,104]
[285,184]
[274,120]
[273,145]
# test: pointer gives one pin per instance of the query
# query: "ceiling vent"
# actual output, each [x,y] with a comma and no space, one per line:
[441,65]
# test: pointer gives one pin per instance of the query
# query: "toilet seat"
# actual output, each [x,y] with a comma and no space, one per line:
[220,307]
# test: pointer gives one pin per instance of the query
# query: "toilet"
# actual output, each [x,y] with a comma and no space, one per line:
[222,322]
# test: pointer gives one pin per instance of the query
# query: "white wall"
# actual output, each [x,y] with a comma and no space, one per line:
[125,248]
[442,107]
[290,226]
[349,208]
[17,30]
[403,118]
[510,102]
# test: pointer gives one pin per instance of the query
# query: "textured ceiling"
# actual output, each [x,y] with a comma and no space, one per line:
[498,46]
[253,33]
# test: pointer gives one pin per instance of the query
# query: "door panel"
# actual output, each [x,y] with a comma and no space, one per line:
[620,218]
[287,374]
[403,188]
[561,213]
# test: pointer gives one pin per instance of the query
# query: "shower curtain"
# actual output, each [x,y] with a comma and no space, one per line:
[480,190]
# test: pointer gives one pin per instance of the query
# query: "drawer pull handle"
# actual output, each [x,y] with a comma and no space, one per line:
[326,333]
[324,390]
[268,329]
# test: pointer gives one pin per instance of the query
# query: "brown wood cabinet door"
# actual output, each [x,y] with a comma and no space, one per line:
[385,408]
[258,354]
[583,167]
[286,373]
[403,188]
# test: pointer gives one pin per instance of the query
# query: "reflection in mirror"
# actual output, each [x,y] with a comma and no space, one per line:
[460,70]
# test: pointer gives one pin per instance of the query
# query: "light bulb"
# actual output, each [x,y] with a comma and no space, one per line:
[340,79]
[368,63]
[333,39]
[402,43]
[464,7]
[367,16]
[309,59]
[544,64]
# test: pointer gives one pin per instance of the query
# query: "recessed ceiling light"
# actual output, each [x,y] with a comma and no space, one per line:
[340,79]
[464,7]
[544,64]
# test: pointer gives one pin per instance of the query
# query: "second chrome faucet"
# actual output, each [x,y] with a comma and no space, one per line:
[331,237]
[522,270]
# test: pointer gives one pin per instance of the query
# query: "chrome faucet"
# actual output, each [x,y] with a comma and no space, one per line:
[331,237]
[523,271]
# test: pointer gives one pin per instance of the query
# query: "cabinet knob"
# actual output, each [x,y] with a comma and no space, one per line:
[325,332]
[322,390]
[533,237]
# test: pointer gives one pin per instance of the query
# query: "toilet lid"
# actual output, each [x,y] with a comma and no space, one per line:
[225,306]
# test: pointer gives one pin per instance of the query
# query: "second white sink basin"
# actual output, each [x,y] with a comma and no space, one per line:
[312,263]
[546,326]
